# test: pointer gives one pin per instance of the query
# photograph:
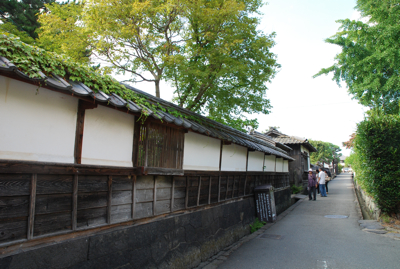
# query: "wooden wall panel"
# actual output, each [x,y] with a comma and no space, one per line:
[122,183]
[92,200]
[223,189]
[144,182]
[49,223]
[49,184]
[11,207]
[15,184]
[92,183]
[91,217]
[193,183]
[204,190]
[121,197]
[163,194]
[13,229]
[121,213]
[179,192]
[163,206]
[179,203]
[163,182]
[144,196]
[143,210]
[52,203]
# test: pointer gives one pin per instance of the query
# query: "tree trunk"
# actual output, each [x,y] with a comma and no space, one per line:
[157,82]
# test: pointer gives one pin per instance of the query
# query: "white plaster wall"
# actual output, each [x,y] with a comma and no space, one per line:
[279,164]
[285,166]
[256,161]
[269,163]
[36,124]
[201,152]
[107,137]
[233,158]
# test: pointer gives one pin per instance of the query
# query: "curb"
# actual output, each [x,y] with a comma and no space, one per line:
[220,257]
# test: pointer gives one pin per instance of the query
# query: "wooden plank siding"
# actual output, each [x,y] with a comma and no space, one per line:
[36,205]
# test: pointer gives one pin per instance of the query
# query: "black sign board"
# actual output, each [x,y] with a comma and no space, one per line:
[265,203]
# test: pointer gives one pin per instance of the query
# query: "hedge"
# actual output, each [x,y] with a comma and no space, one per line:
[377,146]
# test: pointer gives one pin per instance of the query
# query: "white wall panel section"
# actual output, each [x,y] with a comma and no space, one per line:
[269,163]
[36,124]
[279,164]
[201,152]
[256,161]
[107,137]
[233,158]
[285,166]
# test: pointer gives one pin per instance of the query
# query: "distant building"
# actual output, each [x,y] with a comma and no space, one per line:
[300,149]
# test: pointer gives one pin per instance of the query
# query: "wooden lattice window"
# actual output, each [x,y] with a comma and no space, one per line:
[160,146]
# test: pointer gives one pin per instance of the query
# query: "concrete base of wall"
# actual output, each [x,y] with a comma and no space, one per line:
[367,204]
[182,241]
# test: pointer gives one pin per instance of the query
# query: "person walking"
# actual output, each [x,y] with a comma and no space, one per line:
[317,173]
[321,182]
[312,185]
[327,179]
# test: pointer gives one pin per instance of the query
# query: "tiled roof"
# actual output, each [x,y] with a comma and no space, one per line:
[287,140]
[207,127]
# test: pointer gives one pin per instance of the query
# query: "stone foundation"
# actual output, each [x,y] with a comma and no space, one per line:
[368,202]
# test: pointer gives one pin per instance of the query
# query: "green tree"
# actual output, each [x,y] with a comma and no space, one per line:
[61,31]
[369,62]
[326,152]
[22,14]
[11,28]
[223,67]
[210,51]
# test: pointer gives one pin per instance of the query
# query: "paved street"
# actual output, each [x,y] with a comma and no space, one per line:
[310,240]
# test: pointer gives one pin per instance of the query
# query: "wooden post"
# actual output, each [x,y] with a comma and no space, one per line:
[172,194]
[220,155]
[31,218]
[135,146]
[198,192]
[80,123]
[154,196]
[219,177]
[109,200]
[146,154]
[133,195]
[75,202]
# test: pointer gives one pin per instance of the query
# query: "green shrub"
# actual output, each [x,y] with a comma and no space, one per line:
[377,159]
[256,225]
[296,189]
[340,167]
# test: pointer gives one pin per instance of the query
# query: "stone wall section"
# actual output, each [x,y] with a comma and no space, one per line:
[368,202]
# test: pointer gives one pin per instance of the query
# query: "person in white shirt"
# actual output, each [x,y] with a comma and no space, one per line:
[321,182]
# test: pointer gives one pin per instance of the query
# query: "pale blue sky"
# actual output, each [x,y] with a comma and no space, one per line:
[303,106]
